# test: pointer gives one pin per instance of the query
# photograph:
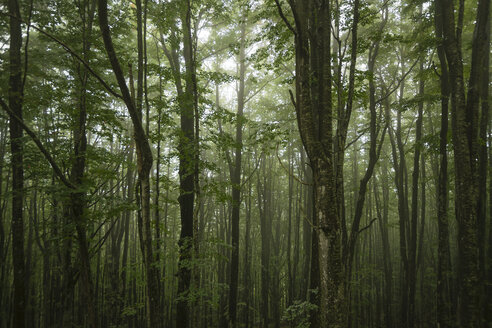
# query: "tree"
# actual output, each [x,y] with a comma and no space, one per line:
[315,115]
[15,104]
[235,172]
[333,226]
[465,123]
[444,279]
[144,160]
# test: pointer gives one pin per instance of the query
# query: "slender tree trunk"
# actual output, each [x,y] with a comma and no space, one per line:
[307,229]
[412,252]
[290,281]
[236,182]
[78,198]
[384,226]
[15,103]
[144,164]
[264,202]
[247,256]
[3,237]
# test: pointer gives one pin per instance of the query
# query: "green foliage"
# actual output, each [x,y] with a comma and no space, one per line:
[298,314]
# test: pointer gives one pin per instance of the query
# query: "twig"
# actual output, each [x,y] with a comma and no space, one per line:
[399,83]
[290,173]
[252,173]
[293,99]
[368,226]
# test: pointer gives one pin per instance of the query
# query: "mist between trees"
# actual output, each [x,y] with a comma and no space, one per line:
[242,163]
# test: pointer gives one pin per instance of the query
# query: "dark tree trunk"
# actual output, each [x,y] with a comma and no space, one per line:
[465,124]
[412,251]
[247,257]
[236,182]
[314,113]
[144,165]
[15,104]
[290,279]
[307,229]
[484,159]
[482,180]
[3,237]
[445,313]
[383,228]
[187,173]
[264,202]
[78,198]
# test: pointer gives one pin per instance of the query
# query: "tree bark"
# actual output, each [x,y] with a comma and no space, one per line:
[264,202]
[78,198]
[236,181]
[384,227]
[187,173]
[464,113]
[315,121]
[412,252]
[445,314]
[144,165]
[16,147]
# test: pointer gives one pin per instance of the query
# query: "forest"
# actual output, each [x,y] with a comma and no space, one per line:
[245,163]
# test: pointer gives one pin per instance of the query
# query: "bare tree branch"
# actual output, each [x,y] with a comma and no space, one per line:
[281,13]
[368,226]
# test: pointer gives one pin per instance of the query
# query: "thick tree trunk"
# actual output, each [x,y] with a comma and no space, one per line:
[483,178]
[186,173]
[465,118]
[314,113]
[484,159]
[445,313]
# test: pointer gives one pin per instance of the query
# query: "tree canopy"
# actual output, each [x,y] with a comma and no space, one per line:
[245,163]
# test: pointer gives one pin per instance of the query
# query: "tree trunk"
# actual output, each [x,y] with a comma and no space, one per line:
[412,252]
[307,229]
[144,165]
[445,313]
[482,180]
[15,103]
[383,226]
[264,202]
[465,118]
[247,256]
[314,114]
[186,173]
[236,182]
[78,198]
